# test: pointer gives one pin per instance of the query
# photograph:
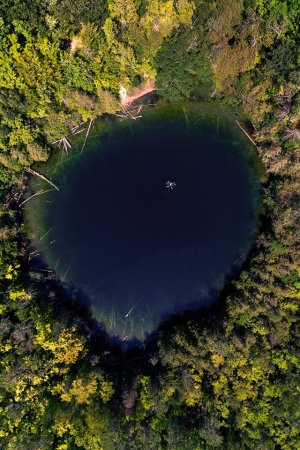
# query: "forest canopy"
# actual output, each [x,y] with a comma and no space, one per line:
[229,380]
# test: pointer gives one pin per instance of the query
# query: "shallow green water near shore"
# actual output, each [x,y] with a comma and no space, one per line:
[139,248]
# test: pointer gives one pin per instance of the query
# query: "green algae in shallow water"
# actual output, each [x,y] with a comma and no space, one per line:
[138,250]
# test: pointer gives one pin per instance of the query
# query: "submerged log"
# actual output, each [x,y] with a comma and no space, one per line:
[42,191]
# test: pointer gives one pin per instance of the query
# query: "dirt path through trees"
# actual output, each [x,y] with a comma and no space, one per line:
[135,93]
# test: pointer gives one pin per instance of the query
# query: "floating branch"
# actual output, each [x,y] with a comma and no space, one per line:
[47,232]
[130,311]
[246,134]
[37,174]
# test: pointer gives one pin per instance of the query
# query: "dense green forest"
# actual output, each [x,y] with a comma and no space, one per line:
[229,380]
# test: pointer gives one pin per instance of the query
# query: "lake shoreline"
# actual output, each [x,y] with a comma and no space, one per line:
[186,121]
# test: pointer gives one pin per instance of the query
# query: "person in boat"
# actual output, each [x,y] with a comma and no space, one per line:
[170,185]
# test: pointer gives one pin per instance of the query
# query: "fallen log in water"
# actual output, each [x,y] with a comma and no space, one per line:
[40,175]
[42,191]
[246,134]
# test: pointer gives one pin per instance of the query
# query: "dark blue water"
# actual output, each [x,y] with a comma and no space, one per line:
[141,251]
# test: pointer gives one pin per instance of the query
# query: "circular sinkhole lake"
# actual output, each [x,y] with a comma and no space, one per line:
[152,216]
